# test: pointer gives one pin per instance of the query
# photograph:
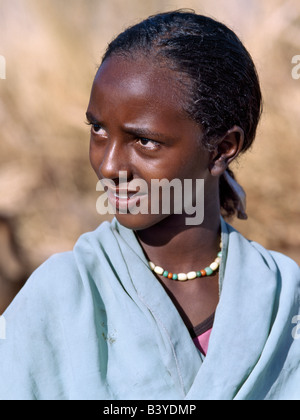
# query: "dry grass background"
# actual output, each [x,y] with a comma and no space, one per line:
[52,49]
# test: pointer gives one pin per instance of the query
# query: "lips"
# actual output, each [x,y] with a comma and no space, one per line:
[124,194]
[124,198]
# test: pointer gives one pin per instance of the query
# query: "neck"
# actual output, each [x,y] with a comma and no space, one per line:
[180,248]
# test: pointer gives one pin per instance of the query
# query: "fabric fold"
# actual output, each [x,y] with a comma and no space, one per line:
[95,323]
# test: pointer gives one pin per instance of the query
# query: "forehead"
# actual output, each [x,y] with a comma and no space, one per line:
[141,80]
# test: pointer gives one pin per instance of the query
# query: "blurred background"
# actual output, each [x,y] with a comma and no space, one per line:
[52,49]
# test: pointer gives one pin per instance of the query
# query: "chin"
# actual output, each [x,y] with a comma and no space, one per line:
[139,221]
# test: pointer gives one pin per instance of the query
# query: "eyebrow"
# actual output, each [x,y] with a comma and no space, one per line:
[90,117]
[136,131]
[145,133]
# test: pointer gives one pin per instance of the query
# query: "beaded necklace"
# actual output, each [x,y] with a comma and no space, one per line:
[208,271]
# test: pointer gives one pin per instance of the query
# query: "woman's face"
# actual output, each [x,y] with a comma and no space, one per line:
[139,129]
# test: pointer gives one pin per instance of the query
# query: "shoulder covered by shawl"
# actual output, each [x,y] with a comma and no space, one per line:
[52,315]
[255,337]
[85,313]
[272,259]
[60,279]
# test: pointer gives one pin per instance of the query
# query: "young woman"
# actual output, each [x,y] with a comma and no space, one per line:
[151,306]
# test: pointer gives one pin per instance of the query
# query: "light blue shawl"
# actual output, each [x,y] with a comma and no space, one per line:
[95,323]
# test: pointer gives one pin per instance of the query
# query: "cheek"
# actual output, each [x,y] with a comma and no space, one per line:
[95,158]
[191,169]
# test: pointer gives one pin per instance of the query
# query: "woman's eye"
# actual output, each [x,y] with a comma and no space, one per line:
[97,128]
[148,144]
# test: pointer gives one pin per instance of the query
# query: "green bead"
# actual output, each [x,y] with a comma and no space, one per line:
[175,277]
[199,274]
[165,273]
[220,254]
[209,271]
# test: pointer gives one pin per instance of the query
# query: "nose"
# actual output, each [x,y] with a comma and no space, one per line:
[115,160]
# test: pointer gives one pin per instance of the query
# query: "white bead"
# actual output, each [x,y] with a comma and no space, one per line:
[218,260]
[158,270]
[152,266]
[191,275]
[214,266]
[182,277]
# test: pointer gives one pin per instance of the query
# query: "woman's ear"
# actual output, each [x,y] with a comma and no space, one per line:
[227,150]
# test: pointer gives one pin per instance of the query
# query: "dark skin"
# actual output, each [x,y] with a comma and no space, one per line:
[139,126]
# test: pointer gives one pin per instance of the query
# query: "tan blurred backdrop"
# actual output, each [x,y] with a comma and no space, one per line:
[52,49]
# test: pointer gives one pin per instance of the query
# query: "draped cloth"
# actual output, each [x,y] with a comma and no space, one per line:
[95,323]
